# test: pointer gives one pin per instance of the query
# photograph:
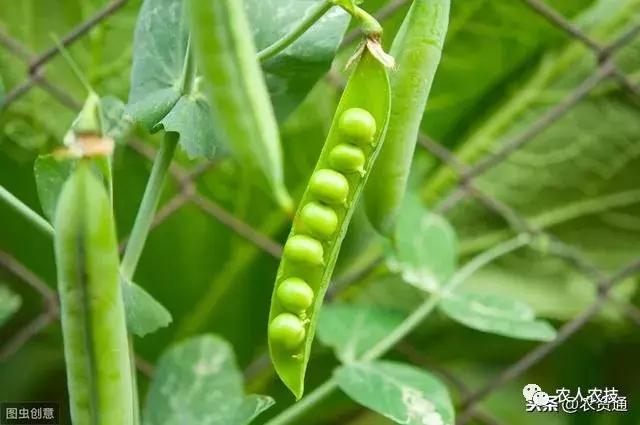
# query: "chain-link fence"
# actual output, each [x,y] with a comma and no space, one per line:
[466,189]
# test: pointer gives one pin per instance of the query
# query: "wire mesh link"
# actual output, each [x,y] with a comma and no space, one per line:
[466,188]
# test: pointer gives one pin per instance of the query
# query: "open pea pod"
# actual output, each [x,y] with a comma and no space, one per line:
[321,222]
[237,90]
[92,310]
[417,49]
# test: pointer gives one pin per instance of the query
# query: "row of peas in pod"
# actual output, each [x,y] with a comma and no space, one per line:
[317,224]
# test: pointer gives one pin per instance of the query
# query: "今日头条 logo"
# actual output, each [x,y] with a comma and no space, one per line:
[563,400]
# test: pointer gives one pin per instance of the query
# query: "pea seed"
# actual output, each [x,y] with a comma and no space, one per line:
[329,186]
[347,158]
[320,220]
[287,330]
[304,249]
[358,124]
[295,295]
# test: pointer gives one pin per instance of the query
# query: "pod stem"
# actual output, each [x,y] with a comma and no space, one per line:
[372,31]
[311,17]
[148,206]
[369,25]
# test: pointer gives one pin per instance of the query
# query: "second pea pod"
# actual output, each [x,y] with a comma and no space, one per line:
[96,348]
[321,222]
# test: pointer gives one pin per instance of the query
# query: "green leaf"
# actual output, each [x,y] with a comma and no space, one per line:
[376,289]
[159,65]
[197,382]
[115,123]
[291,74]
[402,393]
[495,314]
[50,174]
[367,326]
[164,89]
[9,304]
[251,407]
[425,246]
[547,286]
[143,312]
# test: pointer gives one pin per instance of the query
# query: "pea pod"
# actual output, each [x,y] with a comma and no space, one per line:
[238,95]
[322,219]
[417,49]
[92,310]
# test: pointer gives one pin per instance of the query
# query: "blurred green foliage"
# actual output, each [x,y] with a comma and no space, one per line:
[503,67]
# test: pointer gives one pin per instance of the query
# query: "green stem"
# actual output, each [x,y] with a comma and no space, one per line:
[134,381]
[294,412]
[148,206]
[371,28]
[189,71]
[140,231]
[313,15]
[21,208]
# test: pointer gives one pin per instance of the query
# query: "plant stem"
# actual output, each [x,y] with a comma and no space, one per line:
[371,28]
[294,412]
[140,231]
[313,15]
[405,328]
[20,207]
[134,381]
[148,205]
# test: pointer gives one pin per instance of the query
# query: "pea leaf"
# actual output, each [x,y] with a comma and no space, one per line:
[50,174]
[495,314]
[197,382]
[367,326]
[9,303]
[143,312]
[164,91]
[402,393]
[116,124]
[547,286]
[376,290]
[159,74]
[292,73]
[251,407]
[425,251]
